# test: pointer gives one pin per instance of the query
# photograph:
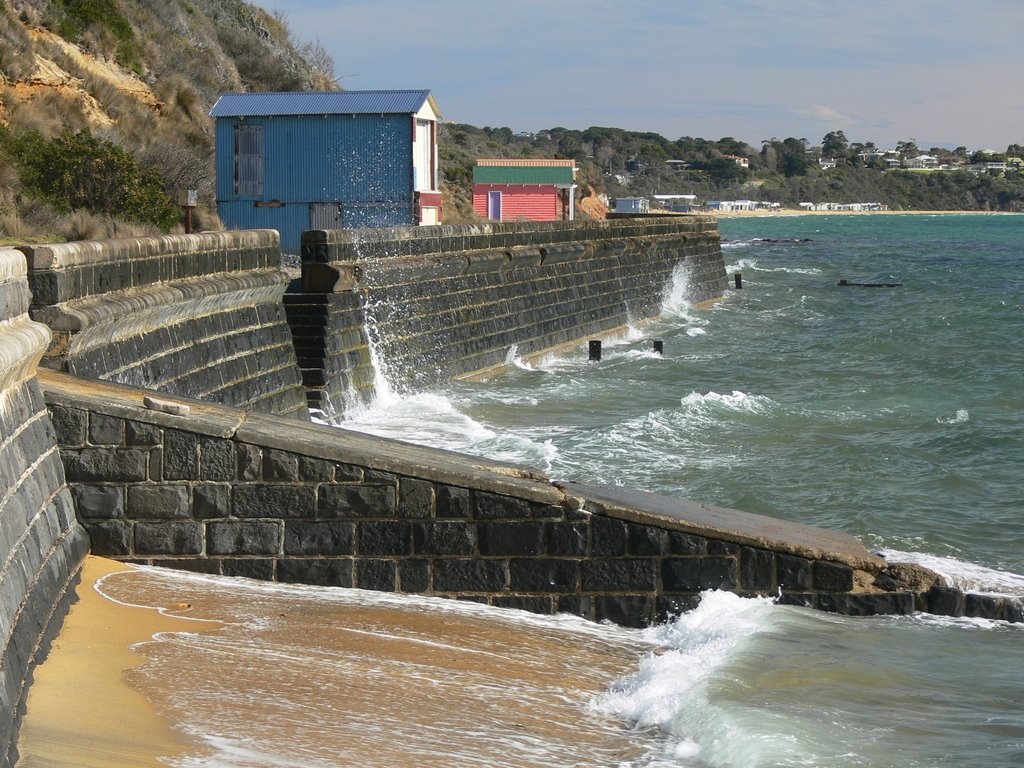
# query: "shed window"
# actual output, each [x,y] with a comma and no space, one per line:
[248,160]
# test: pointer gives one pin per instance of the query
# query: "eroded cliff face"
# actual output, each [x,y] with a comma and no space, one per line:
[99,58]
[60,71]
[140,75]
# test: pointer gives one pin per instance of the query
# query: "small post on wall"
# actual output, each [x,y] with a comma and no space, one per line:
[187,199]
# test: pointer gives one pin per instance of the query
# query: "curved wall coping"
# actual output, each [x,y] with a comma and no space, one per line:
[85,252]
[24,341]
[732,525]
[63,272]
[173,300]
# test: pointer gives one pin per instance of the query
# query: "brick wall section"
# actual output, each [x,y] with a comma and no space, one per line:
[245,494]
[441,302]
[42,547]
[196,315]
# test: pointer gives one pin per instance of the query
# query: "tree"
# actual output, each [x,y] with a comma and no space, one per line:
[907,148]
[792,155]
[834,144]
[730,146]
[604,155]
[722,170]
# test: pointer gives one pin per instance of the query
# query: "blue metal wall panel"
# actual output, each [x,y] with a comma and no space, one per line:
[289,220]
[361,157]
[223,145]
[362,162]
[321,159]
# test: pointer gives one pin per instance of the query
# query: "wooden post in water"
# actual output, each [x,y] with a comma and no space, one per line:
[739,280]
[595,349]
[659,346]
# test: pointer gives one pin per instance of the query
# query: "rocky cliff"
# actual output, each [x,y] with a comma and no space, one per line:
[141,75]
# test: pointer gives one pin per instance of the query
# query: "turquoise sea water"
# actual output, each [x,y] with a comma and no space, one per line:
[894,414]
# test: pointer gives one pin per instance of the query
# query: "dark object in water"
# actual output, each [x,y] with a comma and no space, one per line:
[771,240]
[845,282]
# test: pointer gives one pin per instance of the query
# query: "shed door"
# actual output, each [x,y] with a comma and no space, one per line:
[494,206]
[424,156]
[248,160]
[325,216]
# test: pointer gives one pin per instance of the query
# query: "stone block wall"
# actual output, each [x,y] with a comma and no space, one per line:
[41,545]
[440,302]
[197,315]
[224,491]
[332,349]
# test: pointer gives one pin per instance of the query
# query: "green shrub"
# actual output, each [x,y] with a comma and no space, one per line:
[82,16]
[79,171]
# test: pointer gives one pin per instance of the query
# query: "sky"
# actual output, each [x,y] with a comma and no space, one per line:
[943,73]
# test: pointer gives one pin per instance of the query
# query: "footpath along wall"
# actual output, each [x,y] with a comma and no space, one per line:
[42,547]
[443,302]
[198,315]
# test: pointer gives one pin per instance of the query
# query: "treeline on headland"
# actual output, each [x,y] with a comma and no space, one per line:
[618,162]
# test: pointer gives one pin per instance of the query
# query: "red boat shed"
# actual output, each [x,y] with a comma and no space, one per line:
[510,189]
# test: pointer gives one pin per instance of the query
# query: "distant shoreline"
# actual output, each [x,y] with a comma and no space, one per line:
[803,212]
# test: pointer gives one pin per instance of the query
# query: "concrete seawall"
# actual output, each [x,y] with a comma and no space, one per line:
[444,302]
[198,315]
[163,429]
[42,547]
[224,491]
[200,486]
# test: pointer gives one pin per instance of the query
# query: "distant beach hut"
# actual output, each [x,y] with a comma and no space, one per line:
[632,205]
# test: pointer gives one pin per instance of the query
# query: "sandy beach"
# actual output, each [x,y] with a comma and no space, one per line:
[82,712]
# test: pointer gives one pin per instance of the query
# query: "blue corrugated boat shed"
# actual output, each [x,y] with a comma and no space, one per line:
[294,161]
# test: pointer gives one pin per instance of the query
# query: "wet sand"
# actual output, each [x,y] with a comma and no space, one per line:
[291,675]
[82,712]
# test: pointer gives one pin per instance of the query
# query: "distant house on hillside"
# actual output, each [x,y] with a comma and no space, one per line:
[326,160]
[921,161]
[533,189]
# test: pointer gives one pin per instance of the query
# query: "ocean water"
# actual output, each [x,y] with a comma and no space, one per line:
[894,414]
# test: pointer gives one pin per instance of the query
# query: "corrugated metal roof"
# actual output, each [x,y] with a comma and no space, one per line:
[322,103]
[525,162]
[523,174]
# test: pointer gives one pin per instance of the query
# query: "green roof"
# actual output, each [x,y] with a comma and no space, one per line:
[490,174]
